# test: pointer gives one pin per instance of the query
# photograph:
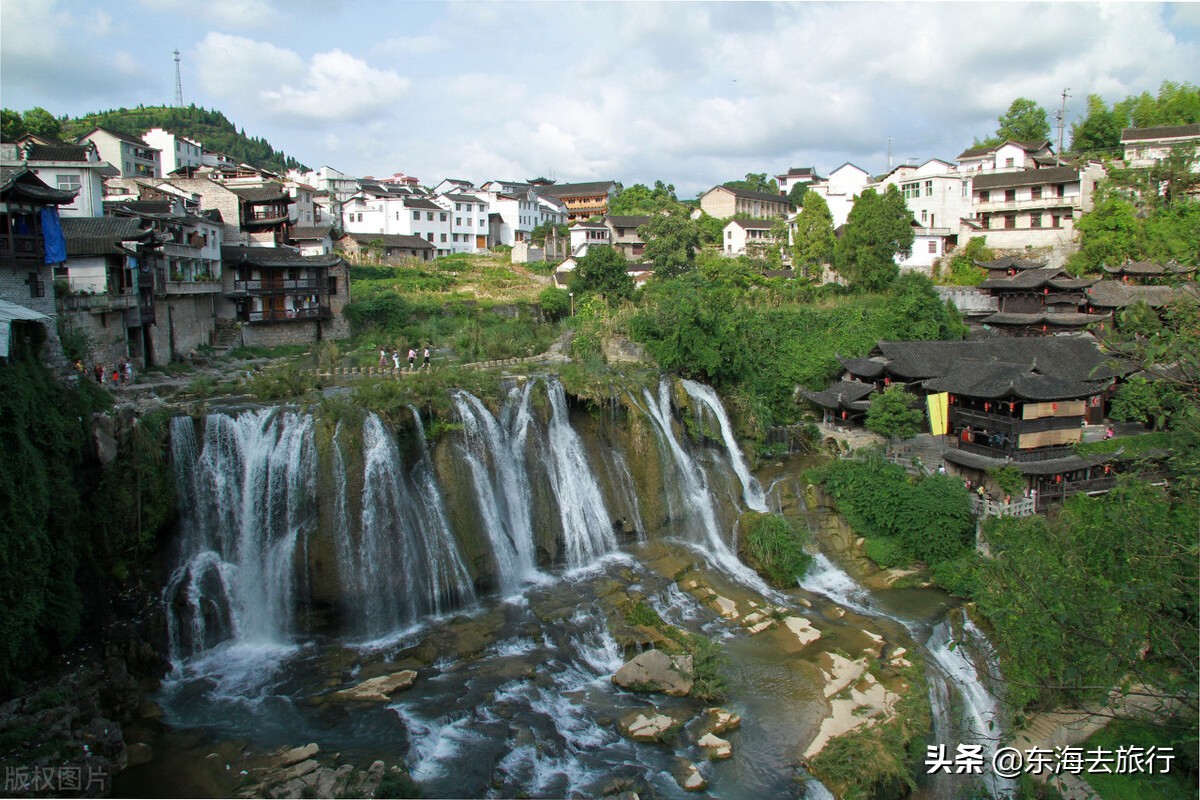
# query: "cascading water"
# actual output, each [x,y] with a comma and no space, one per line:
[250,488]
[752,492]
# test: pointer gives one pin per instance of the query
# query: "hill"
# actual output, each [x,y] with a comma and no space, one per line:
[212,128]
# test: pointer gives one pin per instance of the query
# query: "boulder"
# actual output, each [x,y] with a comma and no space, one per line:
[646,728]
[716,747]
[379,690]
[139,753]
[297,754]
[690,779]
[724,606]
[655,671]
[719,720]
[803,630]
[104,438]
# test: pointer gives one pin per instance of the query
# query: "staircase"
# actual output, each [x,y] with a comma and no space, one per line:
[226,335]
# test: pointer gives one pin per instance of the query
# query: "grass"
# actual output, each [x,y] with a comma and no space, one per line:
[776,550]
[282,351]
[1177,784]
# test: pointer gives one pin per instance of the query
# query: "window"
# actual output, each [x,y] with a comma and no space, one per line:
[333,284]
[966,189]
[1010,195]
[924,216]
[728,234]
[1036,193]
[37,287]
[482,222]
[429,217]
[443,237]
[933,246]
[416,215]
[443,216]
[911,191]
[457,221]
[1008,162]
[929,188]
[458,206]
[1035,220]
[1055,221]
[68,182]
[1010,221]
[429,236]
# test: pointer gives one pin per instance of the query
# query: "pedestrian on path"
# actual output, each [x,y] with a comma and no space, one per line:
[382,357]
[128,371]
[425,365]
[412,359]
[396,359]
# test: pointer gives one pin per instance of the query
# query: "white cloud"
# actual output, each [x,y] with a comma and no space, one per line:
[234,14]
[264,80]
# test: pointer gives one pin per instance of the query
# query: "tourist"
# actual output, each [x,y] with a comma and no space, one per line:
[128,371]
[412,359]
[396,359]
[382,357]
[966,434]
[425,365]
[941,469]
[116,375]
[1108,432]
[79,366]
[98,371]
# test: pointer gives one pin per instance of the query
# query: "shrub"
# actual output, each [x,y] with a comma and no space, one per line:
[887,552]
[776,549]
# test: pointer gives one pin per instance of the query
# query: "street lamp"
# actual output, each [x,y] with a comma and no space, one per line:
[572,296]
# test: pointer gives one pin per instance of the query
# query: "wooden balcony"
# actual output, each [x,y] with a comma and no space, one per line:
[193,287]
[287,315]
[98,303]
[258,286]
[1010,451]
[17,249]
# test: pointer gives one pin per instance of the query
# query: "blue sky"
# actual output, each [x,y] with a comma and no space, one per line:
[687,92]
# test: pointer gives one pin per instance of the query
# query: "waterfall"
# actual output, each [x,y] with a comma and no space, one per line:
[587,526]
[752,492]
[695,500]
[826,578]
[495,456]
[250,493]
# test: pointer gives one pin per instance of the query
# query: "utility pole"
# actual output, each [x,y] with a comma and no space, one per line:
[1062,122]
[889,154]
[178,83]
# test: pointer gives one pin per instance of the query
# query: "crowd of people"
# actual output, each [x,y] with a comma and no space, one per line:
[394,358]
[121,373]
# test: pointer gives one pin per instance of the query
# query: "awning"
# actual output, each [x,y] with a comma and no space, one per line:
[10,313]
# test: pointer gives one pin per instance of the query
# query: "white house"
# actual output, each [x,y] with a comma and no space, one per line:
[796,176]
[839,190]
[375,212]
[939,196]
[468,221]
[1009,155]
[131,156]
[586,234]
[337,185]
[1145,147]
[513,212]
[71,167]
[747,237]
[177,151]
[1033,207]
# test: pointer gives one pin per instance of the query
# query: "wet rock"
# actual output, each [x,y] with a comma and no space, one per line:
[379,690]
[139,753]
[724,606]
[297,754]
[104,438]
[652,727]
[716,747]
[689,778]
[802,629]
[150,710]
[655,671]
[720,720]
[296,771]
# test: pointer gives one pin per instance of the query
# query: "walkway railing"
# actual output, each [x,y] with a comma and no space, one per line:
[986,507]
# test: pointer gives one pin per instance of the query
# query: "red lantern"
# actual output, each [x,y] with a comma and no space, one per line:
[1012,407]
[1058,478]
[1043,329]
[843,415]
[1046,290]
[987,406]
[1054,406]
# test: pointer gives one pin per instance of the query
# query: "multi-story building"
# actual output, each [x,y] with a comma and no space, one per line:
[623,234]
[70,167]
[839,190]
[938,196]
[583,200]
[588,234]
[724,202]
[131,156]
[513,212]
[178,152]
[377,210]
[282,297]
[796,176]
[1145,147]
[1035,207]
[468,220]
[335,184]
[750,237]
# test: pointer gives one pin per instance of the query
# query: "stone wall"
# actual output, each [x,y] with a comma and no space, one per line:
[184,322]
[106,334]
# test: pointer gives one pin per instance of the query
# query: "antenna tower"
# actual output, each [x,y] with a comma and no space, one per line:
[178,83]
[1062,122]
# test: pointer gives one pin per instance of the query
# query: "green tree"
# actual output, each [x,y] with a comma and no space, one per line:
[640,199]
[813,240]
[895,414]
[1108,234]
[12,127]
[878,229]
[963,270]
[755,182]
[1099,130]
[555,303]
[1025,121]
[917,312]
[796,194]
[712,229]
[41,122]
[603,271]
[671,243]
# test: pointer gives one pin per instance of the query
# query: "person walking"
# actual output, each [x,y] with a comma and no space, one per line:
[396,359]
[128,371]
[412,359]
[425,364]
[382,357]
[98,372]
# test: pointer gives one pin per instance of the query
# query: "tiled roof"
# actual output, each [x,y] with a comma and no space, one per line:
[420,202]
[23,184]
[1011,262]
[753,224]
[1047,467]
[801,172]
[1036,279]
[594,226]
[634,221]
[393,240]
[275,257]
[1118,294]
[463,198]
[141,206]
[866,367]
[1028,147]
[1074,358]
[572,189]
[314,232]
[750,195]
[998,379]
[1148,268]
[268,193]
[96,236]
[57,152]
[1025,177]
[1160,132]
[840,394]
[1065,319]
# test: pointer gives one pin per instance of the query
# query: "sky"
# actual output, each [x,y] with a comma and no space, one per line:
[691,93]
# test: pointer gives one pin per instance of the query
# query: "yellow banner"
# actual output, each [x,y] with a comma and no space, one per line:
[939,413]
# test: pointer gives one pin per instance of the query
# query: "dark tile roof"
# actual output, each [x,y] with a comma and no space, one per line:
[393,240]
[1065,319]
[313,232]
[593,226]
[1117,294]
[140,206]
[1025,177]
[1029,279]
[753,224]
[998,379]
[1011,262]
[1160,132]
[1148,268]
[633,221]
[1051,466]
[750,195]
[840,394]
[779,273]
[57,152]
[1028,147]
[20,183]
[801,172]
[866,367]
[97,236]
[275,257]
[420,202]
[1073,358]
[462,198]
[572,189]
[268,193]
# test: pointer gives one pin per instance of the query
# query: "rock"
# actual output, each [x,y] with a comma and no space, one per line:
[298,754]
[294,771]
[803,629]
[369,782]
[104,437]
[379,689]
[716,747]
[724,606]
[642,728]
[150,710]
[655,671]
[720,720]
[139,753]
[690,779]
[760,627]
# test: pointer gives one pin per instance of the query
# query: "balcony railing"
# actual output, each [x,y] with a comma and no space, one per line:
[288,315]
[1040,204]
[193,287]
[299,285]
[18,247]
[1035,454]
[108,301]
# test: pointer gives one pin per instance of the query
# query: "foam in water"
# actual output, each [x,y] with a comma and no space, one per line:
[828,579]
[752,492]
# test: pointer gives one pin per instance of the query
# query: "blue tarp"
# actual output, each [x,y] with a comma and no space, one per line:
[52,234]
